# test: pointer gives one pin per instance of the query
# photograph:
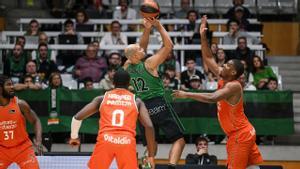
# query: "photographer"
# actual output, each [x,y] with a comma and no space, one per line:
[201,157]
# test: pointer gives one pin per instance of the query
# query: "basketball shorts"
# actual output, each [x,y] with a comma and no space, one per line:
[22,154]
[242,150]
[110,146]
[164,118]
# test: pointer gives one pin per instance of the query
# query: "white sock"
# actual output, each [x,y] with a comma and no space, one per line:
[253,167]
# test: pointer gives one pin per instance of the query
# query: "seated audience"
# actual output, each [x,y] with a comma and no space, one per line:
[124,12]
[33,28]
[166,81]
[107,82]
[239,16]
[184,9]
[261,73]
[174,79]
[231,12]
[89,65]
[246,85]
[115,59]
[186,75]
[201,157]
[272,84]
[27,82]
[55,81]
[243,52]
[195,83]
[15,64]
[45,66]
[97,10]
[115,37]
[88,83]
[234,33]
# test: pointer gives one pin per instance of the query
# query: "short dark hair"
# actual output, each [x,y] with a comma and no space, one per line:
[239,67]
[86,16]
[42,44]
[242,37]
[192,11]
[33,21]
[68,21]
[114,53]
[87,79]
[201,138]
[3,79]
[273,79]
[121,79]
[115,22]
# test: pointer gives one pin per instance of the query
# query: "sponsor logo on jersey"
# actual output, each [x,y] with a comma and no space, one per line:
[117,139]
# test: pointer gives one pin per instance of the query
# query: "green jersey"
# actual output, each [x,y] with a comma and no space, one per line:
[146,86]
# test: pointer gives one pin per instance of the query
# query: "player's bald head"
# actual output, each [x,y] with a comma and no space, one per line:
[130,50]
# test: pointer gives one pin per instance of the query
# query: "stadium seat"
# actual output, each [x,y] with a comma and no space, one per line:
[222,6]
[204,6]
[165,6]
[267,6]
[251,5]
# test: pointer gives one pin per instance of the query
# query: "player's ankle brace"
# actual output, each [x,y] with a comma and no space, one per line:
[171,166]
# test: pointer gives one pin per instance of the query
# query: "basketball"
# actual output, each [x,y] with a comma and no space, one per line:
[149,9]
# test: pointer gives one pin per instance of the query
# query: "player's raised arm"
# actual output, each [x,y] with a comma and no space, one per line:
[224,93]
[148,22]
[31,116]
[206,51]
[154,61]
[84,113]
[144,118]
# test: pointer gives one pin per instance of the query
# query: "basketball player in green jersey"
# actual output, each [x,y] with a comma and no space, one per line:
[149,87]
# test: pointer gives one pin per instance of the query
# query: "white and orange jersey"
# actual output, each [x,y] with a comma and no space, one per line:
[232,117]
[12,125]
[118,113]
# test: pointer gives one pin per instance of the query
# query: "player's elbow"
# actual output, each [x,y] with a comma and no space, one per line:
[213,98]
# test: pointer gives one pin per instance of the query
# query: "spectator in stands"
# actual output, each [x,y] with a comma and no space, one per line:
[214,48]
[124,12]
[192,17]
[201,157]
[83,24]
[14,65]
[246,85]
[186,75]
[195,83]
[31,70]
[174,82]
[115,59]
[27,82]
[115,37]
[55,81]
[21,40]
[185,8]
[33,28]
[231,12]
[89,65]
[248,74]
[239,16]
[221,58]
[170,61]
[88,83]
[43,39]
[96,9]
[261,73]
[67,58]
[45,65]
[272,84]
[234,33]
[243,52]
[107,82]
[97,46]
[69,30]
[166,81]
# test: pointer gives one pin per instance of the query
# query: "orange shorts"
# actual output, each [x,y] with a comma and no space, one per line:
[242,150]
[110,146]
[22,154]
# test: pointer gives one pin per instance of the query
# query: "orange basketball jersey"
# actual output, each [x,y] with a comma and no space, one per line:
[118,113]
[232,117]
[12,125]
